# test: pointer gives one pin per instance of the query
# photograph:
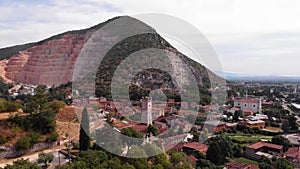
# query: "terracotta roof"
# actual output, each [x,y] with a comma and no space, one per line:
[236,165]
[248,111]
[267,103]
[197,146]
[249,100]
[235,108]
[139,127]
[294,153]
[193,158]
[260,144]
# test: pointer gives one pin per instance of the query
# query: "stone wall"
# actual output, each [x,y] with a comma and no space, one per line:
[11,152]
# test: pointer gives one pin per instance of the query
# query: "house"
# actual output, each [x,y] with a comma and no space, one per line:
[215,125]
[267,104]
[236,165]
[258,149]
[256,123]
[189,148]
[175,142]
[293,155]
[259,117]
[249,104]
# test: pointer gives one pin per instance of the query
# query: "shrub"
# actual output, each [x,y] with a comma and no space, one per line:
[23,143]
[35,137]
[52,137]
[3,140]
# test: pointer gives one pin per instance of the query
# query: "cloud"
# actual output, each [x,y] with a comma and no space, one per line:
[250,36]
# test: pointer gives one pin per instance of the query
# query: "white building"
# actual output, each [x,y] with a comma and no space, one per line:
[146,110]
[249,104]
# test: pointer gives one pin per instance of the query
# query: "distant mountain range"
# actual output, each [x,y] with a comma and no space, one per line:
[247,77]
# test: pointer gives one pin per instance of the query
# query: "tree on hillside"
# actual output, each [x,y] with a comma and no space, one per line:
[130,132]
[220,147]
[293,122]
[281,141]
[24,164]
[39,102]
[84,138]
[45,159]
[152,130]
[237,114]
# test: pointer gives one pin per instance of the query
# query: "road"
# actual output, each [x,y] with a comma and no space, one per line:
[33,157]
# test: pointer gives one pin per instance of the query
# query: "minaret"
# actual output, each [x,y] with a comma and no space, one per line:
[146,110]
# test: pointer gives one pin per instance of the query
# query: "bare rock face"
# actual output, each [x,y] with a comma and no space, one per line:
[50,63]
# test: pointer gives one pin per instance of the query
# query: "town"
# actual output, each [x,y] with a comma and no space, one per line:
[256,128]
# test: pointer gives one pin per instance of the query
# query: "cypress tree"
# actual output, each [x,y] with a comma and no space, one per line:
[84,139]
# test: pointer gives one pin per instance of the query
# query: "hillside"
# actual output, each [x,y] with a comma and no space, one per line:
[51,61]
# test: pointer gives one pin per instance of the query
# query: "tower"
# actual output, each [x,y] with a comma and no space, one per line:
[146,110]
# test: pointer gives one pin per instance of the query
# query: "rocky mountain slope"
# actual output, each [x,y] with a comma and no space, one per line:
[51,61]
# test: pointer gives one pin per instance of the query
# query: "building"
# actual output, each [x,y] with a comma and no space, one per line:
[293,155]
[175,142]
[256,123]
[247,113]
[258,149]
[236,165]
[146,110]
[295,107]
[189,148]
[215,126]
[248,104]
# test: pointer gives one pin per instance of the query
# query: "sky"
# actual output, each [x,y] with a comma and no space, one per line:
[255,37]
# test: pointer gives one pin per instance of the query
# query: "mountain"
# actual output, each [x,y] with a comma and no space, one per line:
[51,61]
[246,77]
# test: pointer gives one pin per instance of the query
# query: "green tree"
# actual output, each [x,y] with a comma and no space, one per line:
[45,159]
[293,122]
[176,157]
[264,165]
[282,141]
[203,163]
[56,105]
[52,136]
[24,164]
[282,163]
[23,143]
[130,132]
[92,158]
[35,137]
[221,147]
[237,114]
[39,102]
[136,151]
[84,138]
[152,129]
[162,160]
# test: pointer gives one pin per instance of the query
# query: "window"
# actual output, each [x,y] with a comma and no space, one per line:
[253,105]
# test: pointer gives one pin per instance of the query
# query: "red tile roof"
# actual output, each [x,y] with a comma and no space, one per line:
[267,103]
[197,146]
[236,108]
[260,144]
[293,153]
[249,100]
[248,111]
[193,158]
